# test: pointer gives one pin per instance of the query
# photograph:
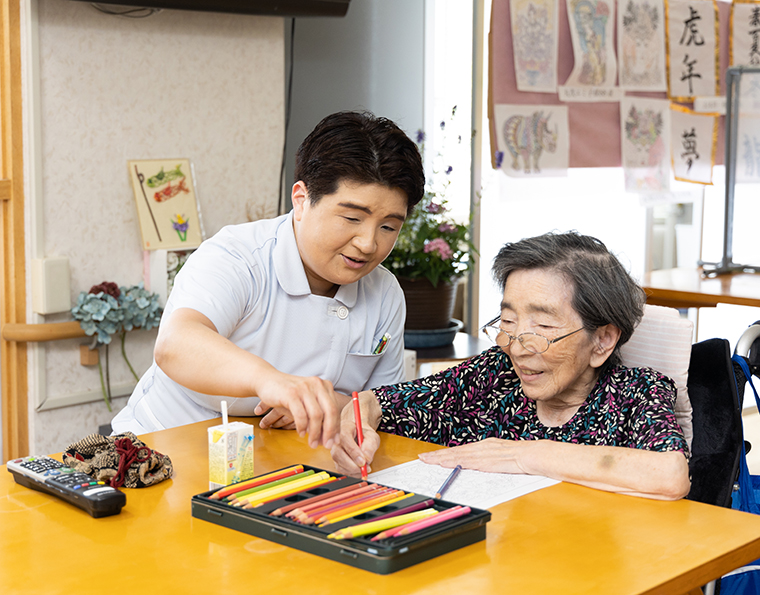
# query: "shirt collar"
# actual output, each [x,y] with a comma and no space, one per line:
[289,268]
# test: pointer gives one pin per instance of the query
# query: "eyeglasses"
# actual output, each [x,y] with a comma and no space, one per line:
[533,342]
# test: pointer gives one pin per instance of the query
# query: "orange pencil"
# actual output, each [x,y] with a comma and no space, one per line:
[256,481]
[315,499]
[328,501]
[369,507]
[311,516]
[358,420]
[360,506]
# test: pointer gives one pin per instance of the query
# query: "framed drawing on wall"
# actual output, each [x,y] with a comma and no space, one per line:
[167,206]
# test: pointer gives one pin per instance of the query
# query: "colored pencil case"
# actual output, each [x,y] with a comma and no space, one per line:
[380,557]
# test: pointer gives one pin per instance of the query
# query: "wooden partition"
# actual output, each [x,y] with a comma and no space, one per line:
[13,364]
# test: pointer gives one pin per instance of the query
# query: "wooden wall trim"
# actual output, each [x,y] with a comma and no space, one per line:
[13,356]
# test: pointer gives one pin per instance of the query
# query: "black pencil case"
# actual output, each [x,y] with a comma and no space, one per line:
[380,557]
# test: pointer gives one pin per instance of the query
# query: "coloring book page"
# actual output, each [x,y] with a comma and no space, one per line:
[471,488]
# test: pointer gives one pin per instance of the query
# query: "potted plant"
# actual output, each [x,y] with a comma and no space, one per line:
[432,253]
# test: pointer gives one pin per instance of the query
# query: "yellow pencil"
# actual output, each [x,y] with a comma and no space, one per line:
[358,512]
[381,525]
[288,487]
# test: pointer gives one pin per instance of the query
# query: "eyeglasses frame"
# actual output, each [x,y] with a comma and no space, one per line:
[512,337]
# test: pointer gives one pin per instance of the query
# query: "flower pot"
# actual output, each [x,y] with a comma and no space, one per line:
[428,307]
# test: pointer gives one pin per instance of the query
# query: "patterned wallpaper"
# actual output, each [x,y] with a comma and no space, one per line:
[203,86]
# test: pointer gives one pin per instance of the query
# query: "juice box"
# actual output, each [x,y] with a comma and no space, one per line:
[230,454]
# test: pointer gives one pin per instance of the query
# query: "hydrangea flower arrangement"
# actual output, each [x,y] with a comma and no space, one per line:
[431,244]
[108,309]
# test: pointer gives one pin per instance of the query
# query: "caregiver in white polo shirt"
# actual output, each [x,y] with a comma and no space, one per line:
[285,313]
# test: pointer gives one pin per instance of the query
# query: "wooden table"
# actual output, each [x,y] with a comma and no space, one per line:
[688,288]
[564,539]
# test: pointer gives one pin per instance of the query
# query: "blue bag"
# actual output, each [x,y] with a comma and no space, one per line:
[744,580]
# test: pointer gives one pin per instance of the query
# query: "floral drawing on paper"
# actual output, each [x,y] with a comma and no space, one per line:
[642,46]
[645,150]
[534,38]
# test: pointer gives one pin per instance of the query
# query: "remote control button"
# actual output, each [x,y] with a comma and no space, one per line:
[94,491]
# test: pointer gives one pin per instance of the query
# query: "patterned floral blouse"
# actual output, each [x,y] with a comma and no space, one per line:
[482,398]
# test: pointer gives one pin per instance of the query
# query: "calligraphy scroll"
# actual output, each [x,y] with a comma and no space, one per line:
[745,33]
[748,129]
[693,137]
[692,42]
[532,140]
[641,45]
[534,44]
[592,24]
[645,133]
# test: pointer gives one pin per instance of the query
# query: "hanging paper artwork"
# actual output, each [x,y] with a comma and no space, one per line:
[532,140]
[745,33]
[641,45]
[592,24]
[692,39]
[748,129]
[645,133]
[693,137]
[166,204]
[534,43]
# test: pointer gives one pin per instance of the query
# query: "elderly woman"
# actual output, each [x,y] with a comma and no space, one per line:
[551,397]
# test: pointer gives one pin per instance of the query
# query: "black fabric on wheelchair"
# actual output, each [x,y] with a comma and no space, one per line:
[716,447]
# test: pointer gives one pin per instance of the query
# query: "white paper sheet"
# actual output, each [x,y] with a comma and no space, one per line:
[472,488]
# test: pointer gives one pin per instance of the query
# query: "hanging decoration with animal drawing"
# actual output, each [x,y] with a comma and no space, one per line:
[533,140]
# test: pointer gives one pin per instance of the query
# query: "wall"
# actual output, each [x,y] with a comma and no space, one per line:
[373,59]
[203,86]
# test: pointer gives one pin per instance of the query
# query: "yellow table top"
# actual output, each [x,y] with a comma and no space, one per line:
[563,539]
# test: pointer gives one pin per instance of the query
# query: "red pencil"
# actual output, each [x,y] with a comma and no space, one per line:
[359,434]
[361,506]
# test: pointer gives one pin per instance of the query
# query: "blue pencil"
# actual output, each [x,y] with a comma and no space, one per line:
[449,480]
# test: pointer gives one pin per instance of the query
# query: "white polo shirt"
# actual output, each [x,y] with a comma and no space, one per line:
[250,282]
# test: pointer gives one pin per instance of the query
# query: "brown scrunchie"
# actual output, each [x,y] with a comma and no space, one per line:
[120,460]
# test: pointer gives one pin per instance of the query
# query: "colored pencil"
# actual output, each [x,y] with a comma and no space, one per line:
[376,526]
[232,498]
[360,505]
[284,488]
[379,503]
[330,501]
[289,492]
[406,510]
[256,481]
[312,515]
[449,480]
[315,499]
[446,515]
[359,433]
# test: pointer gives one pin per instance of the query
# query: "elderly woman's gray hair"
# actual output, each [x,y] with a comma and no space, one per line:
[604,293]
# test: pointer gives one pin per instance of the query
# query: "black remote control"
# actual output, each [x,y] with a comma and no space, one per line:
[45,474]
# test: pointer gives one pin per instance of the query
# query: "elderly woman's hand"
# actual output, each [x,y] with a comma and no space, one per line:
[492,454]
[347,455]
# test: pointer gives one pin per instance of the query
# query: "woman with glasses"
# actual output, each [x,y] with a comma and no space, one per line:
[551,397]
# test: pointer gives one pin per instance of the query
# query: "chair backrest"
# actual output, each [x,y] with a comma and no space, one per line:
[717,422]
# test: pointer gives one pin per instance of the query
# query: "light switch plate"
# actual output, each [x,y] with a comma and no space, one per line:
[51,285]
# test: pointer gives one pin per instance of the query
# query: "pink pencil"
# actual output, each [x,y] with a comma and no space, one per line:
[449,514]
